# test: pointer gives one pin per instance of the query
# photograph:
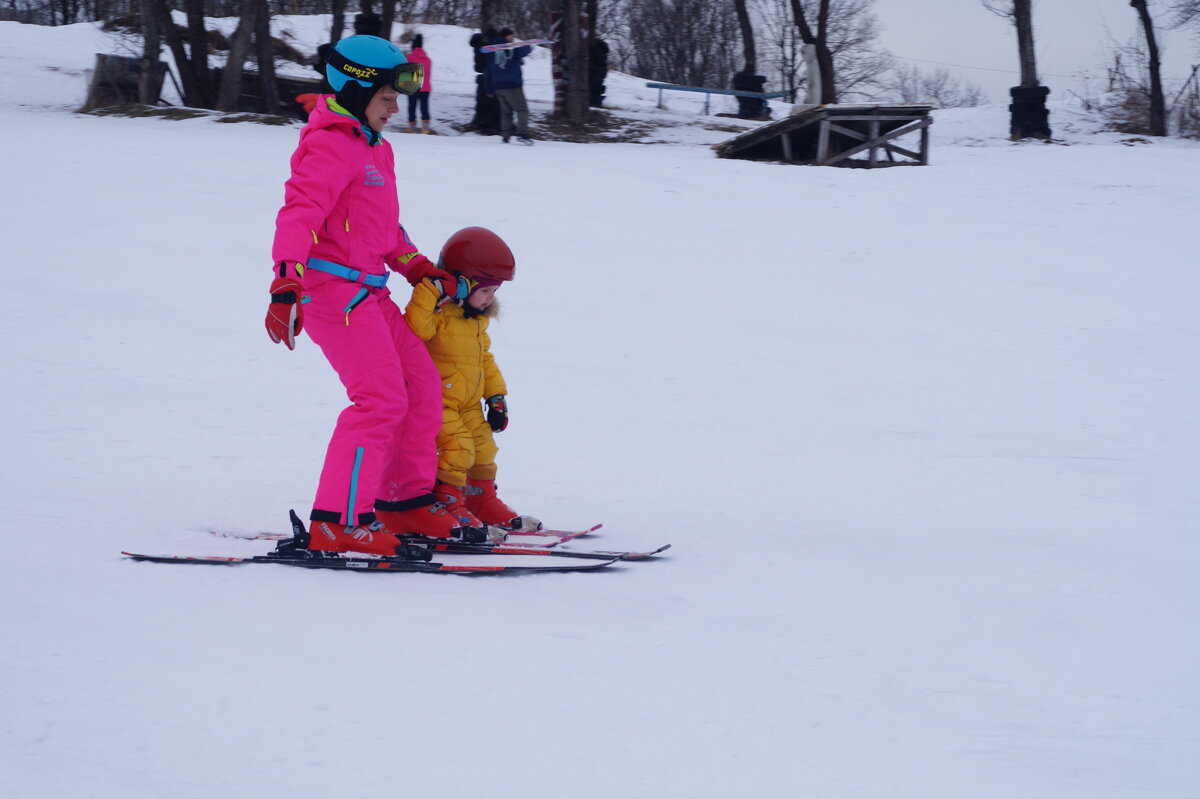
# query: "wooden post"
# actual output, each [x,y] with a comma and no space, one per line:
[823,141]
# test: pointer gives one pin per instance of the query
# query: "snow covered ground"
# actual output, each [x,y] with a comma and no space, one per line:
[925,441]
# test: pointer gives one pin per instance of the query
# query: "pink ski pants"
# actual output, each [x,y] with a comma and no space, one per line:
[384,445]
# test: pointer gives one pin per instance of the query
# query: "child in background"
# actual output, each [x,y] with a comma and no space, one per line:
[417,55]
[455,330]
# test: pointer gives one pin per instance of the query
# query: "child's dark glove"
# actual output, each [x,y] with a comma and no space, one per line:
[285,314]
[497,415]
[450,287]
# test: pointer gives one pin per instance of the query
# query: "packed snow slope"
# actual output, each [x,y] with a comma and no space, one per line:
[925,441]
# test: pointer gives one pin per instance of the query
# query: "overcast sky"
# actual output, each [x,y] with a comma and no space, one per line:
[1073,38]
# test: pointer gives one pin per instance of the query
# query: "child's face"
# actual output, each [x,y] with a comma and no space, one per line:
[382,106]
[482,297]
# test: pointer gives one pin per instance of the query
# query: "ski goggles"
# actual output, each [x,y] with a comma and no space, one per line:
[404,78]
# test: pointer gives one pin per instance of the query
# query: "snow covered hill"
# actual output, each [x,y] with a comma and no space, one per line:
[925,441]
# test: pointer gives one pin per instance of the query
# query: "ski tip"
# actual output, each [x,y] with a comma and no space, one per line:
[645,555]
[514,570]
[221,559]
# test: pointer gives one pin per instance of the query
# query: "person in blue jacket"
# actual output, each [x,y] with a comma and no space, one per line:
[503,79]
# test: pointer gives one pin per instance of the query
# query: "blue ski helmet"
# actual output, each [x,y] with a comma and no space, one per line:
[369,61]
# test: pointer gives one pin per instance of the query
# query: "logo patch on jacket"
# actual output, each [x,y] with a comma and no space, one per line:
[374,176]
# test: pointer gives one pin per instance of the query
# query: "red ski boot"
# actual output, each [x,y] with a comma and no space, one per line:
[483,502]
[372,538]
[330,539]
[453,497]
[428,516]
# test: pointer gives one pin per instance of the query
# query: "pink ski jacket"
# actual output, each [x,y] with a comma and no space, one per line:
[419,56]
[340,202]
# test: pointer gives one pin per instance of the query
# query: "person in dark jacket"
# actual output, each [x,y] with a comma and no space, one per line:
[503,79]
[487,107]
[597,71]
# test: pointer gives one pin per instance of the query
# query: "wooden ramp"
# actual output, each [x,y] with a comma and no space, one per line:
[831,135]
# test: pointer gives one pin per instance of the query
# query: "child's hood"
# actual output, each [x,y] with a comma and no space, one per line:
[327,114]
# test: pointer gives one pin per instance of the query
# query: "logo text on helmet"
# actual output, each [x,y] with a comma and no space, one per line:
[360,72]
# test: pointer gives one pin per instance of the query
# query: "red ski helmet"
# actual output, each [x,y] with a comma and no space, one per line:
[478,254]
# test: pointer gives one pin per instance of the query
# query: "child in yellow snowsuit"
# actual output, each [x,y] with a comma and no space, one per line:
[455,330]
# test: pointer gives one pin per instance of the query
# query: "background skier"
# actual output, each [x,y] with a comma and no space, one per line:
[505,80]
[417,55]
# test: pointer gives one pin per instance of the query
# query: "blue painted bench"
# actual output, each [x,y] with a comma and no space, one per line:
[709,92]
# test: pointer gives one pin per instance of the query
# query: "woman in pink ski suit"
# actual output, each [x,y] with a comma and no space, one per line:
[336,237]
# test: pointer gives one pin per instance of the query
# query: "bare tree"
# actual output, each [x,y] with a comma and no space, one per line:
[911,85]
[193,94]
[1186,12]
[687,42]
[152,45]
[747,29]
[1020,12]
[230,89]
[338,8]
[813,24]
[489,15]
[860,66]
[387,16]
[198,50]
[264,55]
[575,53]
[783,56]
[1158,106]
[1029,118]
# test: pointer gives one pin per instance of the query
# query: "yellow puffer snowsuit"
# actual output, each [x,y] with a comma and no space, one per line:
[460,347]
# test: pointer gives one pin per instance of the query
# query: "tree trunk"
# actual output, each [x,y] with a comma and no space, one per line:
[819,38]
[576,64]
[264,53]
[1028,117]
[339,20]
[1158,106]
[239,48]
[743,16]
[183,64]
[1023,20]
[198,48]
[488,11]
[152,45]
[387,17]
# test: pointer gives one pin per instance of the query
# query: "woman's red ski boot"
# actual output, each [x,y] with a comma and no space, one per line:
[428,516]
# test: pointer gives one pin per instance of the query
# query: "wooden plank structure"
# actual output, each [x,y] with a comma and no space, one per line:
[831,135]
[115,81]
